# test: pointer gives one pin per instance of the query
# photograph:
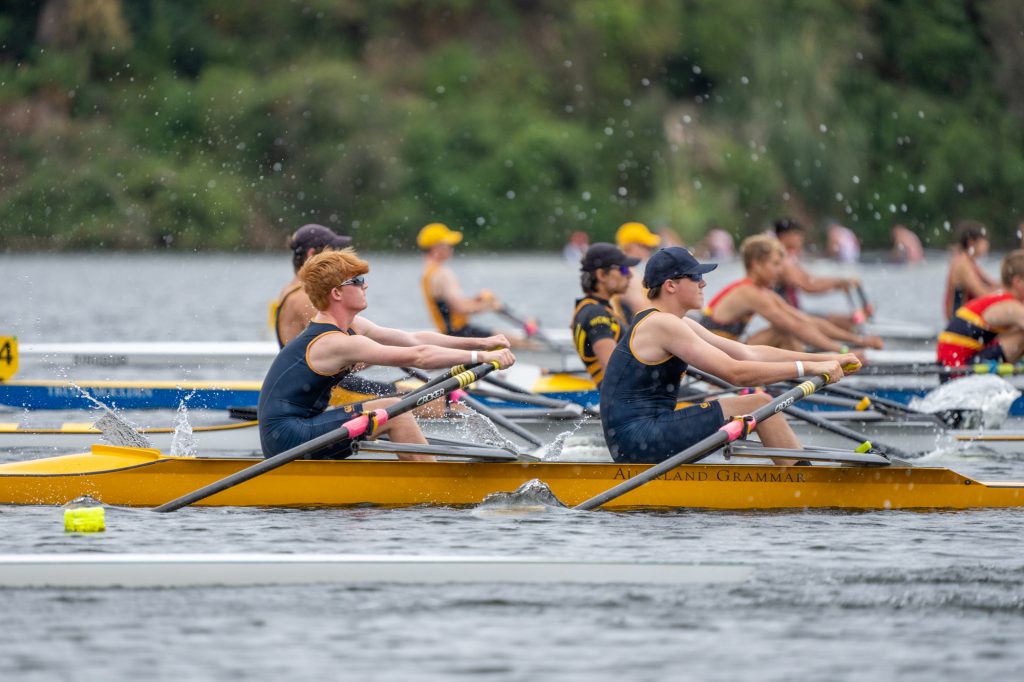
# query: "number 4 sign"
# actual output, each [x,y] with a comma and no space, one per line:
[8,357]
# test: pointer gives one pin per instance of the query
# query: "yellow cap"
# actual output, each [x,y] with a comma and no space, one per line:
[636,233]
[84,520]
[437,233]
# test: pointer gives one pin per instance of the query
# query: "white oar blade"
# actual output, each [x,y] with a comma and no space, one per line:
[208,570]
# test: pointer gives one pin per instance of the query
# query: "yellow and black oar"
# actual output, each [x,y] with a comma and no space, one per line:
[364,424]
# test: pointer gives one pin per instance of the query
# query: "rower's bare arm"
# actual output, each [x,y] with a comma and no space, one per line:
[400,337]
[330,354]
[676,337]
[451,292]
[976,283]
[1007,315]
[805,281]
[603,351]
[790,320]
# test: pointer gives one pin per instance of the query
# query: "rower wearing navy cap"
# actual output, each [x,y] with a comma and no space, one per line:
[292,310]
[639,412]
[596,327]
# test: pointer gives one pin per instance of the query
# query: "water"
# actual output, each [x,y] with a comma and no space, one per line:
[835,595]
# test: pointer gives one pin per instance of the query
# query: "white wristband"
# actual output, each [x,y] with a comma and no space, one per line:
[799,369]
[473,357]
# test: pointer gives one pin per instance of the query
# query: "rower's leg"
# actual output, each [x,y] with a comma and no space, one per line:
[775,432]
[401,429]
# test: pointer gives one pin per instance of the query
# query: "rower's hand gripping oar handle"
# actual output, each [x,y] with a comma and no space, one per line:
[357,426]
[725,434]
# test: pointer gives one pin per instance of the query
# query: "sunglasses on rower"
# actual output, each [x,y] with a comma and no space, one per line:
[623,270]
[695,277]
[359,281]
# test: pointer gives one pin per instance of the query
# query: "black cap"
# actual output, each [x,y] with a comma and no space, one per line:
[314,236]
[670,263]
[604,255]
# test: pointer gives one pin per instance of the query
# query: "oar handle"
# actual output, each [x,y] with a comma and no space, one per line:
[353,428]
[734,429]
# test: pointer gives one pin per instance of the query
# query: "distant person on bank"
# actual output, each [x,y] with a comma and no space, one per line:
[989,328]
[732,309]
[296,391]
[639,412]
[906,245]
[605,271]
[575,247]
[965,280]
[842,244]
[796,279]
[638,242]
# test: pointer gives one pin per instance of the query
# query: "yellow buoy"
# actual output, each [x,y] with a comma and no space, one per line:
[84,520]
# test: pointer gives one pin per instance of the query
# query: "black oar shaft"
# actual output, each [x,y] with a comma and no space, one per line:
[809,417]
[840,430]
[501,420]
[352,428]
[498,419]
[729,432]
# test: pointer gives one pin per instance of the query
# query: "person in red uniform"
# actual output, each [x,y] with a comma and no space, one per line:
[990,328]
[729,313]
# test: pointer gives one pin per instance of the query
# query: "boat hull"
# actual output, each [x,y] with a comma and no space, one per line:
[144,478]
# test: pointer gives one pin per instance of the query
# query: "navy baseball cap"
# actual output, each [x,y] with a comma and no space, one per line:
[671,263]
[604,255]
[318,237]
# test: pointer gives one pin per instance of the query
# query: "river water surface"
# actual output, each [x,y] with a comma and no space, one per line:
[834,595]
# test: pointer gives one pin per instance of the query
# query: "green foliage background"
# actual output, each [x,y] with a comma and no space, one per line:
[201,124]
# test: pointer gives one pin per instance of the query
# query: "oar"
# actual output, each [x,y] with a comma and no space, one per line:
[810,418]
[859,315]
[472,402]
[357,426]
[883,405]
[736,428]
[528,326]
[531,399]
[864,305]
[1002,369]
[529,396]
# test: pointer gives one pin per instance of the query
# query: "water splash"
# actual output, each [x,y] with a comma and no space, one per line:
[117,430]
[532,496]
[990,394]
[554,449]
[486,430]
[183,442]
